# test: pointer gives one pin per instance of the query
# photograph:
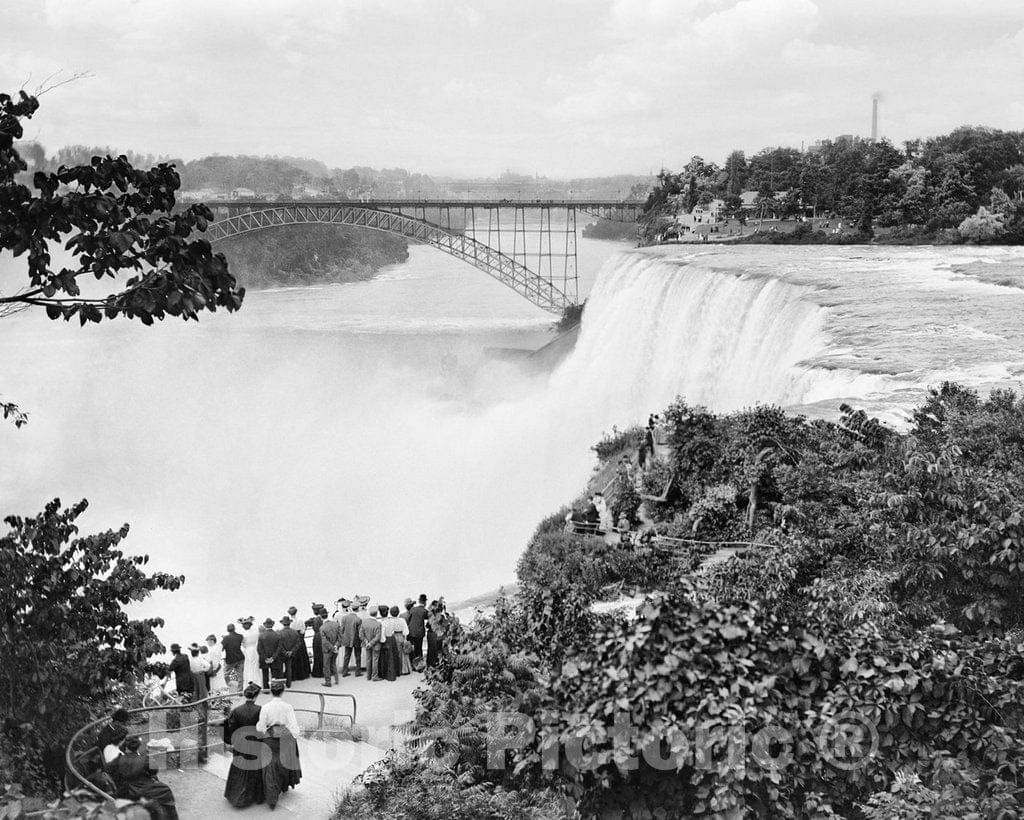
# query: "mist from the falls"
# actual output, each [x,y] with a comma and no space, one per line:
[358,439]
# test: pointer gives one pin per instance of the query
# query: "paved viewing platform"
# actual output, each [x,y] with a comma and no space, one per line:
[328,766]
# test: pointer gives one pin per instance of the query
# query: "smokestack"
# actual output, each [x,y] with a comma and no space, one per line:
[874,119]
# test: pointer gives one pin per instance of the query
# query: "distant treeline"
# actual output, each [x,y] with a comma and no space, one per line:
[971,179]
[286,176]
[309,254]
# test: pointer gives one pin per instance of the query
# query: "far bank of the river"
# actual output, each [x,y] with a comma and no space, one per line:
[311,255]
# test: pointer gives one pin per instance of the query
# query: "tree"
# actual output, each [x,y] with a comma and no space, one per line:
[1000,202]
[983,225]
[114,218]
[1014,181]
[736,170]
[67,642]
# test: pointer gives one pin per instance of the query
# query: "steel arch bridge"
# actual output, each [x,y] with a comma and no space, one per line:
[542,287]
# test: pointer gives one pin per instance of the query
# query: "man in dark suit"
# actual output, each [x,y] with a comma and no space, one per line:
[417,629]
[182,671]
[370,633]
[350,637]
[291,644]
[330,640]
[269,650]
[234,660]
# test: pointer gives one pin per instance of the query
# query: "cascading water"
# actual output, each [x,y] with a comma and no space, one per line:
[660,327]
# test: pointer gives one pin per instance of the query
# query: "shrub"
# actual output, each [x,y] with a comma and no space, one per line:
[618,442]
[700,671]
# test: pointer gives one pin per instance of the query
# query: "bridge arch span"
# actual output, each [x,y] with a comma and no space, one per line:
[505,269]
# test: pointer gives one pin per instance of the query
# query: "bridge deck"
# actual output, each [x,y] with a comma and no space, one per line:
[582,204]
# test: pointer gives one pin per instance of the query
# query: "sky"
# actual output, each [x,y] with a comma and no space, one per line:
[552,87]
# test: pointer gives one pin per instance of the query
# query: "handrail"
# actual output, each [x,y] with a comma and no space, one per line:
[70,756]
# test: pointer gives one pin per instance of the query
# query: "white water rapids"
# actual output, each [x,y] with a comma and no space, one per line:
[358,439]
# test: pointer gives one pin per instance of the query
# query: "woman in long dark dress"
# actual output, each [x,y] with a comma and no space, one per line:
[317,621]
[245,777]
[136,780]
[300,662]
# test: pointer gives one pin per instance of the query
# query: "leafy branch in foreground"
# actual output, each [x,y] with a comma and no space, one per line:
[113,218]
[14,413]
[66,641]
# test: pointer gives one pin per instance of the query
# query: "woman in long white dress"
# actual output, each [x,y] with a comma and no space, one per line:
[216,657]
[250,637]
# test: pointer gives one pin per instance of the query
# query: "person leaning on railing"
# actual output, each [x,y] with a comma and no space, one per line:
[136,780]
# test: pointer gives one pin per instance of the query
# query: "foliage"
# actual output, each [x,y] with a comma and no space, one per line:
[11,411]
[712,509]
[626,500]
[983,225]
[67,642]
[571,316]
[929,187]
[303,254]
[618,442]
[949,790]
[113,218]
[14,805]
[715,675]
[411,791]
[883,593]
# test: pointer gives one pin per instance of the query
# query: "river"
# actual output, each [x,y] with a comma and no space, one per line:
[358,439]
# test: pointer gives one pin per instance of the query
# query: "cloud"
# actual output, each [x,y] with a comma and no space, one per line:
[804,55]
[460,88]
[603,99]
[619,84]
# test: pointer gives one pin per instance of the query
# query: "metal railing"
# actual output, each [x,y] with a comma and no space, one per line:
[74,751]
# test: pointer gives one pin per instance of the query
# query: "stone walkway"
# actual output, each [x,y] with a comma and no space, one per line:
[328,767]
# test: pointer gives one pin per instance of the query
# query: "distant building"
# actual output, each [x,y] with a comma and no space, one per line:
[701,219]
[200,195]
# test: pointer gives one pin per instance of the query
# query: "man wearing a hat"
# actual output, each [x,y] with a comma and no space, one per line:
[234,658]
[292,644]
[330,641]
[350,637]
[269,649]
[182,671]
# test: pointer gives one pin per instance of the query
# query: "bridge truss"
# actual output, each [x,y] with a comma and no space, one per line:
[528,246]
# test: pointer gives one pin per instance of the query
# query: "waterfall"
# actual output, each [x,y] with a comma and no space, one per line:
[658,327]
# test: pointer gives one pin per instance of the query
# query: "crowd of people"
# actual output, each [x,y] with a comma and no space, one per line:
[381,641]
